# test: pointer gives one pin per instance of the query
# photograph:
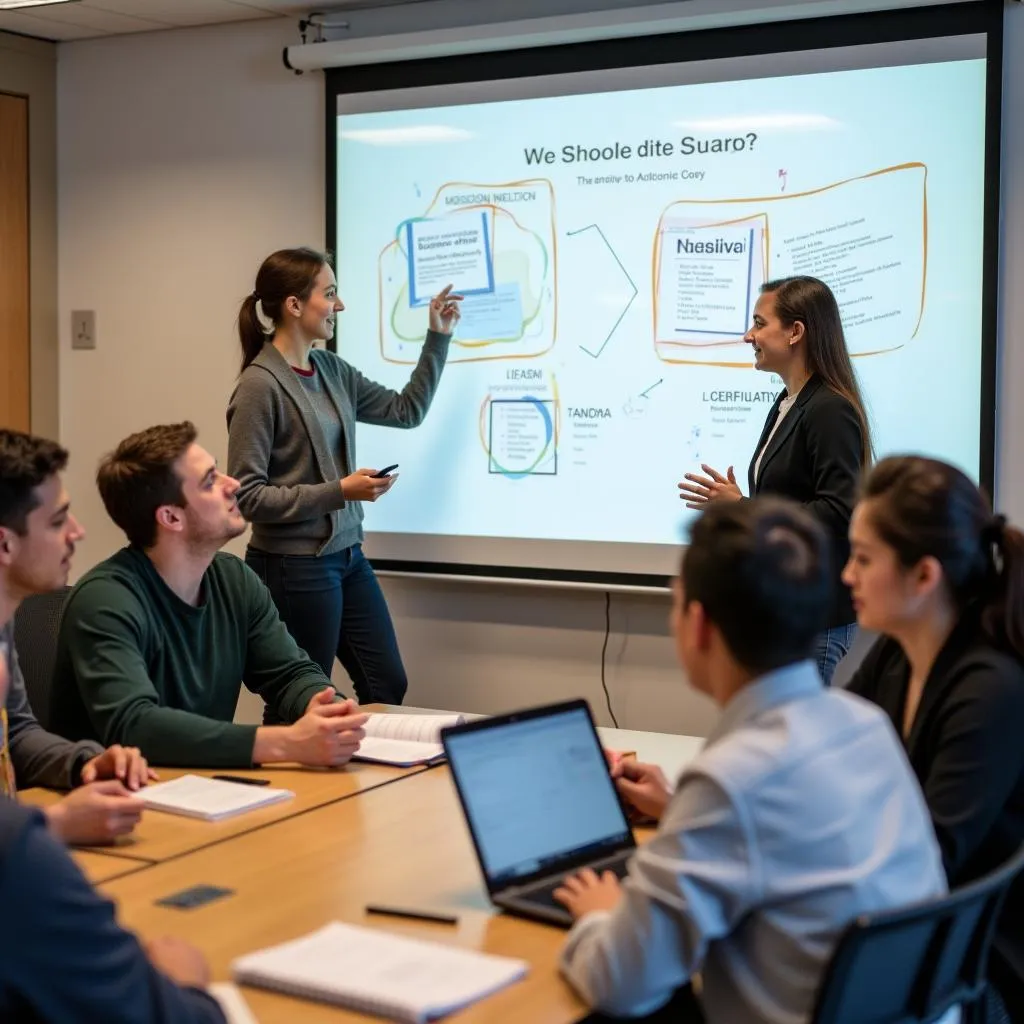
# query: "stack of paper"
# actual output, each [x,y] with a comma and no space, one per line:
[209,799]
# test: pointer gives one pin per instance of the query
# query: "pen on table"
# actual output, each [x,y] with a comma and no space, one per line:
[245,780]
[416,915]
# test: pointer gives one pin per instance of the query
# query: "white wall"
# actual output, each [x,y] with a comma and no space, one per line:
[187,156]
[174,184]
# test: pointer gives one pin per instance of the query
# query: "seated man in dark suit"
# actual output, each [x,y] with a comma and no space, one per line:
[63,955]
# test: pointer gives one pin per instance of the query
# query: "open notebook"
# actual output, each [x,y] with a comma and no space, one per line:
[404,740]
[378,972]
[209,799]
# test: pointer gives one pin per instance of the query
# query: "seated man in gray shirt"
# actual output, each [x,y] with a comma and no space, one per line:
[800,812]
[38,534]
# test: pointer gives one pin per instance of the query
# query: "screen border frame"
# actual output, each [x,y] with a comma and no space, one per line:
[970,17]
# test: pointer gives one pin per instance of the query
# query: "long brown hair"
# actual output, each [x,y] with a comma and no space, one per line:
[812,303]
[282,274]
[923,507]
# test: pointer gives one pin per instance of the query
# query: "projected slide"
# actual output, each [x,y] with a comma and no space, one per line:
[496,243]
[866,237]
[611,246]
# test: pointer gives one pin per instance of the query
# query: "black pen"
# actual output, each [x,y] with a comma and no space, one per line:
[416,915]
[245,780]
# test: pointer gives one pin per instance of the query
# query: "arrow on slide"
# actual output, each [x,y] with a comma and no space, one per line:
[594,227]
[645,393]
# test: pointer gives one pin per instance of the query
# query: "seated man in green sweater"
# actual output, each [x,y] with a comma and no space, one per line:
[157,640]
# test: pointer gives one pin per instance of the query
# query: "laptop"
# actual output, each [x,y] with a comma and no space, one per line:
[539,803]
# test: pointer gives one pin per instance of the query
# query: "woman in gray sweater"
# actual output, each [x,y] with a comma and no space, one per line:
[291,445]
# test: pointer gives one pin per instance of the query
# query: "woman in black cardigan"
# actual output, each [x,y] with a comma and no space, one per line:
[816,442]
[943,580]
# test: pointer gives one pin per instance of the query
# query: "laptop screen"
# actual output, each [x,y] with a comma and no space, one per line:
[536,791]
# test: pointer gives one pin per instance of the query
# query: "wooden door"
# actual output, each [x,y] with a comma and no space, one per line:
[14,296]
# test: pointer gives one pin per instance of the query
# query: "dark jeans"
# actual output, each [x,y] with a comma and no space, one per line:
[682,1008]
[832,646]
[333,605]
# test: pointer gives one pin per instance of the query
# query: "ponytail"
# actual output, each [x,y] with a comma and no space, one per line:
[285,273]
[1003,616]
[250,330]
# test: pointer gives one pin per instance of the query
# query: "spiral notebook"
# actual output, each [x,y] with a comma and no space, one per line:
[404,740]
[378,972]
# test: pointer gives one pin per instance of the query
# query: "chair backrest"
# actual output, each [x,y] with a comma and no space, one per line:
[36,624]
[910,966]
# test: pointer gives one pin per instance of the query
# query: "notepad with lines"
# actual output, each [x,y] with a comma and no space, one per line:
[210,799]
[404,740]
[379,973]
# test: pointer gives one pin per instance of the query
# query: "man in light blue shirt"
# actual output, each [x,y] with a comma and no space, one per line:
[800,812]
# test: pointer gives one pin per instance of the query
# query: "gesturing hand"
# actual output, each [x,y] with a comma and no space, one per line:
[126,764]
[328,734]
[444,311]
[179,960]
[714,487]
[96,813]
[362,485]
[643,786]
[327,697]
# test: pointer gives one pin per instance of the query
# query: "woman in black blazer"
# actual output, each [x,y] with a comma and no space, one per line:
[816,442]
[943,580]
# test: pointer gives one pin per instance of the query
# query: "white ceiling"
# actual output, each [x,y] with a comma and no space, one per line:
[89,18]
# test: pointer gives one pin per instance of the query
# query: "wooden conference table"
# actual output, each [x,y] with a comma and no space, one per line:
[349,838]
[160,837]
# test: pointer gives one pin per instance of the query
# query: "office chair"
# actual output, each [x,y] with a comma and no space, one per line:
[910,966]
[36,624]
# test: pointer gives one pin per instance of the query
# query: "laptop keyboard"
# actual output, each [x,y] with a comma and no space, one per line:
[544,894]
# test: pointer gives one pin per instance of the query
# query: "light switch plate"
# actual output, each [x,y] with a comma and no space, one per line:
[83,328]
